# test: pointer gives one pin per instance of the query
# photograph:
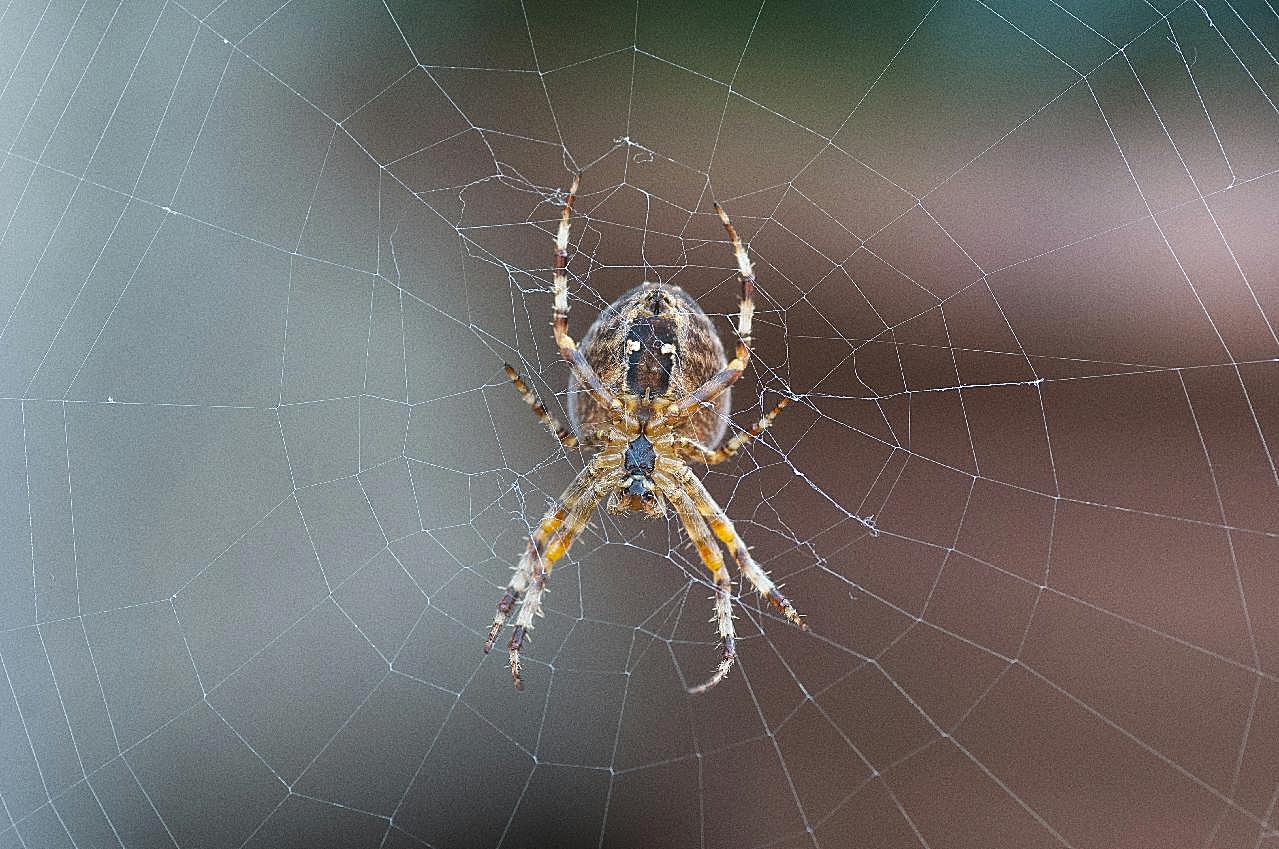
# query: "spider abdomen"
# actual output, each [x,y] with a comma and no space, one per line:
[652,342]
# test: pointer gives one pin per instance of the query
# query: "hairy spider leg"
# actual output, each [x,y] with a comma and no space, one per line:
[549,542]
[727,376]
[567,345]
[574,521]
[536,549]
[563,434]
[724,530]
[711,456]
[709,551]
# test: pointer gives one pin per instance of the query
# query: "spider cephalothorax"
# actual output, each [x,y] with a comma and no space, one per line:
[639,493]
[649,391]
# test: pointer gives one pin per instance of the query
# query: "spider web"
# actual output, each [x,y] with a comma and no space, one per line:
[264,478]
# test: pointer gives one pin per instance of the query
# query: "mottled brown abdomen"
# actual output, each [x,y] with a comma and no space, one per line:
[652,342]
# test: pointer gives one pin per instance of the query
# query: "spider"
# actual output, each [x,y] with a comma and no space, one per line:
[650,390]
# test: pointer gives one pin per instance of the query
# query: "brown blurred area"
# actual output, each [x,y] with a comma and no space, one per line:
[1029,318]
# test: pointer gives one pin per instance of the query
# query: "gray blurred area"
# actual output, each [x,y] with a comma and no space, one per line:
[262,478]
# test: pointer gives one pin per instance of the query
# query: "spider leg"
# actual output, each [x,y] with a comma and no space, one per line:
[573,522]
[563,434]
[554,535]
[567,345]
[709,551]
[724,530]
[711,456]
[728,375]
[549,542]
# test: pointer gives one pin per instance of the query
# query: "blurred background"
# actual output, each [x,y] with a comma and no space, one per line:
[263,478]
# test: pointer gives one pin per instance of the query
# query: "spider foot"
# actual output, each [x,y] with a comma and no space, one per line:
[514,646]
[494,630]
[721,672]
[504,608]
[782,603]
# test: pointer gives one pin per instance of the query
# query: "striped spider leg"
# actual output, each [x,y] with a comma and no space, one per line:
[554,534]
